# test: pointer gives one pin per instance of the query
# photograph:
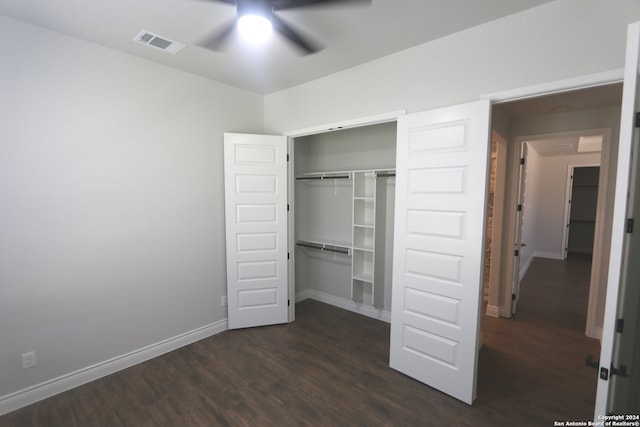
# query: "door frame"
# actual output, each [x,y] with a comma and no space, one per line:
[531,92]
[314,130]
[598,277]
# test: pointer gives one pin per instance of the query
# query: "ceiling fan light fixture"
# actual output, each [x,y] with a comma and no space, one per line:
[254,20]
[255,29]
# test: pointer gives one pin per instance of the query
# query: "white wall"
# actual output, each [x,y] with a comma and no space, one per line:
[111,202]
[558,40]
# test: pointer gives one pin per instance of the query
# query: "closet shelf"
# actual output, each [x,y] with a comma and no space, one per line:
[363,249]
[364,226]
[364,277]
[385,173]
[346,250]
[381,173]
[324,175]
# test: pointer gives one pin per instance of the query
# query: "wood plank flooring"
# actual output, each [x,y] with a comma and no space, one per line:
[330,368]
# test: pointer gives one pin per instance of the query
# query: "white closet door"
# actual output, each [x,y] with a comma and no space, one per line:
[623,297]
[255,169]
[441,188]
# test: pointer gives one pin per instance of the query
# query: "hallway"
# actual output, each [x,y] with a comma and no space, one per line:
[537,357]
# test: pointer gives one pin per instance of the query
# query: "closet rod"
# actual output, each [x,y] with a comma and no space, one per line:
[324,247]
[325,177]
[385,174]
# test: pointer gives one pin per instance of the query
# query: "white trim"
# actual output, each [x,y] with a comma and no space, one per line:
[493,311]
[363,121]
[597,333]
[566,85]
[524,268]
[29,395]
[549,255]
[303,295]
[346,304]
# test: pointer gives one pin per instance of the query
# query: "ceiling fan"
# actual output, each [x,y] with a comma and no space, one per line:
[255,20]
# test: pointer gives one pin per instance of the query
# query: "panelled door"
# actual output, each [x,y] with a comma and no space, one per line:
[255,169]
[619,366]
[441,190]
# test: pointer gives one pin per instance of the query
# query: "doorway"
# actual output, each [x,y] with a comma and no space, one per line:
[546,124]
[549,124]
[581,208]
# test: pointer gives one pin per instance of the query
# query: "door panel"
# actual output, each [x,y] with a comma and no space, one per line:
[256,229]
[622,291]
[441,189]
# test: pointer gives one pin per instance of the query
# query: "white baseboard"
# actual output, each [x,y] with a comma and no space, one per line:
[525,267]
[493,311]
[303,295]
[346,304]
[29,395]
[597,333]
[550,255]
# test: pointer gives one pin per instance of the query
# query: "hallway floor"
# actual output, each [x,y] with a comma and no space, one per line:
[536,359]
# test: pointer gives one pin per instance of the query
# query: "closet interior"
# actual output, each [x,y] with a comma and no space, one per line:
[583,206]
[344,194]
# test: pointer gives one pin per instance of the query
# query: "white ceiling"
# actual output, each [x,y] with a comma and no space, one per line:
[353,35]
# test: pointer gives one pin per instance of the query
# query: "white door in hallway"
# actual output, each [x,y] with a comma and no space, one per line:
[256,229]
[619,391]
[441,194]
[520,218]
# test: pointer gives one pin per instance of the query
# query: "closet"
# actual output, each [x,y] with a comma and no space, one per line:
[344,193]
[312,216]
[582,209]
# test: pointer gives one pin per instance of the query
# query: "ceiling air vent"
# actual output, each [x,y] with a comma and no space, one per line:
[159,42]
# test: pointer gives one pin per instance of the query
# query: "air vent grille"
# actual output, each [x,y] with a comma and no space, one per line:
[158,42]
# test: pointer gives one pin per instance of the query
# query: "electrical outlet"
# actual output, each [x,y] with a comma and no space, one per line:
[29,360]
[224,300]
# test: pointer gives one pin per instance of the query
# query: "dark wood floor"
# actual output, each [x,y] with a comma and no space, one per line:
[330,368]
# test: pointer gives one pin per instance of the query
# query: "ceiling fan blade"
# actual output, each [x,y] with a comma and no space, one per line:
[291,4]
[215,41]
[303,43]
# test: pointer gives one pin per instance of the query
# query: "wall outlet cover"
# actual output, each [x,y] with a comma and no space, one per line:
[29,360]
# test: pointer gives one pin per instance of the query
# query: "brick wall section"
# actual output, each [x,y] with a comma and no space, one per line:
[492,187]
